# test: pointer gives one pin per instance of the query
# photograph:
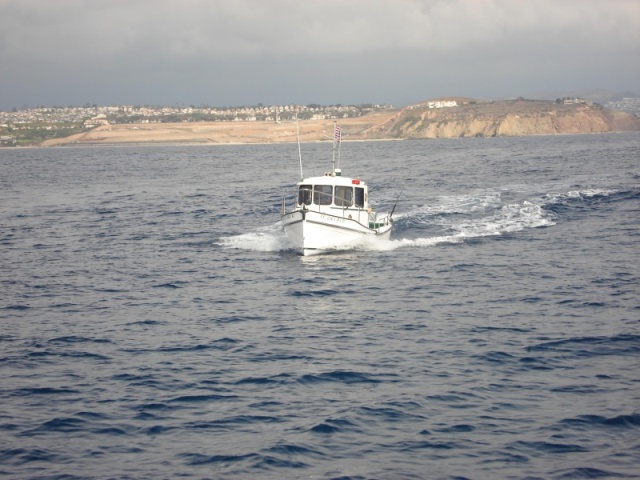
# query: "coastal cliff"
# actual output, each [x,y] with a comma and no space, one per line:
[469,118]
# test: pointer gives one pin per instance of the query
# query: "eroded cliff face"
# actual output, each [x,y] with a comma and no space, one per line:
[508,118]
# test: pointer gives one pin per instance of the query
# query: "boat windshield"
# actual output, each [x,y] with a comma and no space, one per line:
[344,196]
[322,194]
[304,195]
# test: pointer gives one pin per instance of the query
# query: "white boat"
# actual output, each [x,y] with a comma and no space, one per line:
[331,212]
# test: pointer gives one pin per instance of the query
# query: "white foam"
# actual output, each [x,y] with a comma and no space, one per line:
[463,204]
[428,241]
[509,218]
[266,239]
[578,194]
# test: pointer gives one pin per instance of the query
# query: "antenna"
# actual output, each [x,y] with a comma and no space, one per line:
[299,151]
[337,137]
[339,140]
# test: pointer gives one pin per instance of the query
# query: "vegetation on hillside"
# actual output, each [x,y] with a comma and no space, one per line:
[35,133]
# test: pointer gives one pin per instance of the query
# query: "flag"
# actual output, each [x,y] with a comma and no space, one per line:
[337,134]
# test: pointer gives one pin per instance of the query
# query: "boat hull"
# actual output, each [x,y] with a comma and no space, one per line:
[312,232]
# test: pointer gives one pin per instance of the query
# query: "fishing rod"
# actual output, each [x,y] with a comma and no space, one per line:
[397,200]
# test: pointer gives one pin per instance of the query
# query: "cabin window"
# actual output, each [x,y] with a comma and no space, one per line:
[359,199]
[344,196]
[322,194]
[304,195]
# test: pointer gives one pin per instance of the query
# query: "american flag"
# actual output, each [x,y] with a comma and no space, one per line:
[337,135]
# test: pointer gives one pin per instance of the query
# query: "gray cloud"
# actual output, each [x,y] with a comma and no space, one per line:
[289,51]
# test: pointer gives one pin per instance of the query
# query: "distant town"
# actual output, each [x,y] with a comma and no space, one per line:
[34,125]
[627,104]
[162,114]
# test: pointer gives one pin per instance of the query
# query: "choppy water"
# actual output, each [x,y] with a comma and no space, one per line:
[155,323]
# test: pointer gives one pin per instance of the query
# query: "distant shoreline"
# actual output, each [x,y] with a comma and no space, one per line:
[202,144]
[218,144]
[461,118]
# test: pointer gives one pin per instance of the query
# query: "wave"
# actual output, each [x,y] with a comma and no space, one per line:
[623,421]
[580,473]
[622,344]
[568,204]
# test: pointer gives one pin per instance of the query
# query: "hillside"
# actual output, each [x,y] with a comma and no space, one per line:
[227,132]
[469,118]
[504,118]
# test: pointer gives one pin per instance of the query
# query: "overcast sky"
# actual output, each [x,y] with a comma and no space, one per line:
[245,52]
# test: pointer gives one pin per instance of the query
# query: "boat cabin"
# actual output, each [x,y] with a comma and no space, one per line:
[341,192]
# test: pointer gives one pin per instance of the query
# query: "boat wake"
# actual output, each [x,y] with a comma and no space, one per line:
[447,220]
[266,239]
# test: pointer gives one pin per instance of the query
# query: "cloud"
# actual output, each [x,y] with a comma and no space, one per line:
[477,45]
[258,27]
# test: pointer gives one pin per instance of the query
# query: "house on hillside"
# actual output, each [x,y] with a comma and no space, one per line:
[7,140]
[96,121]
[574,101]
[443,104]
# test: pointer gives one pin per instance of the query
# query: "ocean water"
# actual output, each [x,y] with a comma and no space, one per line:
[156,324]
